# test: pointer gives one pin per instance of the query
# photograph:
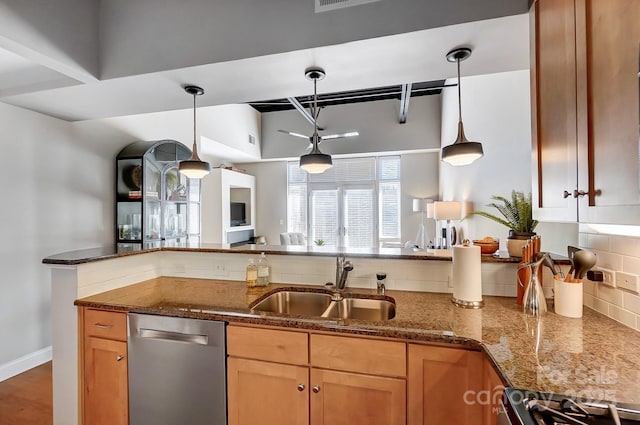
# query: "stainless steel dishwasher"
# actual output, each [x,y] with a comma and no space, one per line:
[177,371]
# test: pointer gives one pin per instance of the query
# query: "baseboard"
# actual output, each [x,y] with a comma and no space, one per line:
[24,363]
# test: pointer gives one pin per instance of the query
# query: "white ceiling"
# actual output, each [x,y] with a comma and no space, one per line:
[499,45]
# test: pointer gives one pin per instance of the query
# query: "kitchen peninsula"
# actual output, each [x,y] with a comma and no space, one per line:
[593,356]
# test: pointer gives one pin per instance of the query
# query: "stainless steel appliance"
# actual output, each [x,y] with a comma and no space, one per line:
[535,408]
[177,371]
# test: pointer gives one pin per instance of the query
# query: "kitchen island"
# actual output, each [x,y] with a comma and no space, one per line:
[593,357]
[186,281]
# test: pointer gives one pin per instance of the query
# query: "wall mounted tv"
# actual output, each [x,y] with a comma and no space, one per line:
[238,214]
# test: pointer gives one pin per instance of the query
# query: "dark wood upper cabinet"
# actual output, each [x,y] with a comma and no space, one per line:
[585,110]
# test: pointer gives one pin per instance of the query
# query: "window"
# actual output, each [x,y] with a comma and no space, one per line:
[356,203]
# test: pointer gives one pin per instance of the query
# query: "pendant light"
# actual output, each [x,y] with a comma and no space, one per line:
[462,151]
[315,162]
[194,167]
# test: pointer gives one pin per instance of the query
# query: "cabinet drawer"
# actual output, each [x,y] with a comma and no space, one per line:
[105,324]
[359,355]
[267,344]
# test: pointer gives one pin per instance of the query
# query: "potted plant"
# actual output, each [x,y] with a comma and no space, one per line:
[517,216]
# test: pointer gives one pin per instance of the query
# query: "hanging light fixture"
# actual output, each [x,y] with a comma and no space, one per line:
[462,151]
[315,162]
[194,167]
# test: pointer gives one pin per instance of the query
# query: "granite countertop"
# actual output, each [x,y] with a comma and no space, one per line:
[109,252]
[593,357]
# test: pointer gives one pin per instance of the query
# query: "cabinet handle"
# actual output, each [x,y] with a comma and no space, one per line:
[300,387]
[579,193]
[119,357]
[566,194]
[316,389]
[101,326]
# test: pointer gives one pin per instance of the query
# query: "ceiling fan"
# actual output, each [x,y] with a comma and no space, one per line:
[314,74]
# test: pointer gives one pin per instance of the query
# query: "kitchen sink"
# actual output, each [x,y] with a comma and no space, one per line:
[324,305]
[295,302]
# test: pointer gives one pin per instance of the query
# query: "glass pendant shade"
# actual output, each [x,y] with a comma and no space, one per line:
[462,151]
[315,162]
[194,167]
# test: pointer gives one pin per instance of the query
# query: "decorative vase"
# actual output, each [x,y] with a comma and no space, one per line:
[516,241]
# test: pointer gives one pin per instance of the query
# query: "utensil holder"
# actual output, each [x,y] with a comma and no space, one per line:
[567,298]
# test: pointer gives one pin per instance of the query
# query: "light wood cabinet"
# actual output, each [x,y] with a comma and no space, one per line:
[493,389]
[585,110]
[344,380]
[262,392]
[343,398]
[444,385]
[105,396]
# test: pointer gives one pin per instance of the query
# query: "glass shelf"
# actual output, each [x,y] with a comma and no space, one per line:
[154,202]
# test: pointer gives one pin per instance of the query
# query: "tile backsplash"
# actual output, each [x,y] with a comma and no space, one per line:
[617,254]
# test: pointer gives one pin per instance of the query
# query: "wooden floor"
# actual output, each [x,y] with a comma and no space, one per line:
[26,399]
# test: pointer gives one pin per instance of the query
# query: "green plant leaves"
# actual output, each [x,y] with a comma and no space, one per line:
[517,212]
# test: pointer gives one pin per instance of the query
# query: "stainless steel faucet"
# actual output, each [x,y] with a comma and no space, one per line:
[343,267]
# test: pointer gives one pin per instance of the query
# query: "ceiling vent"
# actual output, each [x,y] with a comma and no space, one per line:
[327,5]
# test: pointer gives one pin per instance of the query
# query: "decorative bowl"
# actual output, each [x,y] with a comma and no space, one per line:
[487,246]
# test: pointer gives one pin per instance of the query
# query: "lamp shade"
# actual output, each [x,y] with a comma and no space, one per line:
[447,210]
[430,209]
[421,204]
[194,169]
[315,163]
[462,151]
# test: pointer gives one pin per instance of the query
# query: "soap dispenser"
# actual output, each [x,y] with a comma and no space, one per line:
[264,271]
[251,273]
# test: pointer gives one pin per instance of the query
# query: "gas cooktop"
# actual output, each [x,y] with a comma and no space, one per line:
[535,408]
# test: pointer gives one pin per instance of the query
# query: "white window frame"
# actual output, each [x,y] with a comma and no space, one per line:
[341,186]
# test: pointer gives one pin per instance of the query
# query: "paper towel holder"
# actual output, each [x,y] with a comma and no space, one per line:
[468,304]
[464,303]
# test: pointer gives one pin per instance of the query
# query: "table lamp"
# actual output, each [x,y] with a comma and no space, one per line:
[421,205]
[447,211]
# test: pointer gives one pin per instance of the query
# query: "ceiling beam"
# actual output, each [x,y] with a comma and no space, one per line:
[405,96]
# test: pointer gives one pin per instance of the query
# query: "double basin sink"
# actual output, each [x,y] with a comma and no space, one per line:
[325,305]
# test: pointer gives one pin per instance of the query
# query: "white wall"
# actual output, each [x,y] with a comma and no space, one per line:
[377,123]
[271,198]
[223,130]
[420,179]
[61,34]
[496,111]
[57,197]
[196,32]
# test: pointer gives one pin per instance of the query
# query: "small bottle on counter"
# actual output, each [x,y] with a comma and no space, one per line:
[251,273]
[264,271]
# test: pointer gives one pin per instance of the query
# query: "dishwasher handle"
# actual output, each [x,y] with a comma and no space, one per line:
[173,336]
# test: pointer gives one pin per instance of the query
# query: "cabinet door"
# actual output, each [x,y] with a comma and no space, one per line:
[341,398]
[267,393]
[106,397]
[444,385]
[553,109]
[608,40]
[494,387]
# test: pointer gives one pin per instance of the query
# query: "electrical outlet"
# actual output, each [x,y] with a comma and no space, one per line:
[220,269]
[627,281]
[608,277]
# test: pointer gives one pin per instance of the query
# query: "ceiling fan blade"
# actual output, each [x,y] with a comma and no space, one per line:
[291,133]
[340,136]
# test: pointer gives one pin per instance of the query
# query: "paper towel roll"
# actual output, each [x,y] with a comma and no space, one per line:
[467,276]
